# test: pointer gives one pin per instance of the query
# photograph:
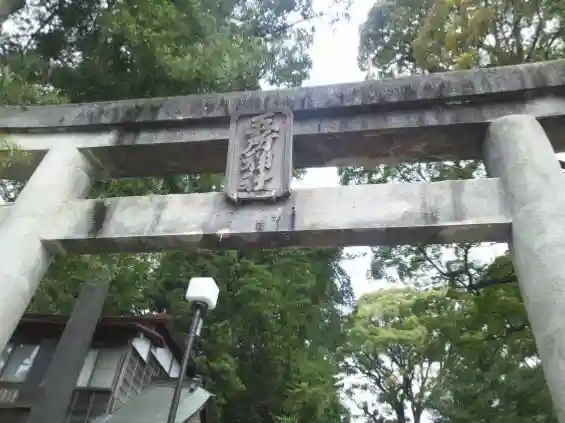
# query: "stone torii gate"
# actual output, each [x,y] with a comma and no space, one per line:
[513,117]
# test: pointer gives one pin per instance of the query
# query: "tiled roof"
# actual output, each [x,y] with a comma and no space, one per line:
[152,406]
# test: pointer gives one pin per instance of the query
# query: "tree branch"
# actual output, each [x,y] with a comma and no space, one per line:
[537,35]
[470,277]
[517,33]
[486,283]
[549,44]
[443,273]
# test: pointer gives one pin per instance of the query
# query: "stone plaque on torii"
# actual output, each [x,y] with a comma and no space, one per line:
[259,161]
[512,117]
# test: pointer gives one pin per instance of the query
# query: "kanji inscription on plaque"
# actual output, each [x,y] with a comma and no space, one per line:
[259,165]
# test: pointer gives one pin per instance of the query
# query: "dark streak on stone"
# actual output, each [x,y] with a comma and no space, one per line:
[428,209]
[276,221]
[159,209]
[458,201]
[99,215]
[292,220]
[126,137]
[114,112]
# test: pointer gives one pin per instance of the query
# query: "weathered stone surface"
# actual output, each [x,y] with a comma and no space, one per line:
[519,153]
[442,212]
[435,133]
[507,81]
[63,174]
[259,162]
[4,212]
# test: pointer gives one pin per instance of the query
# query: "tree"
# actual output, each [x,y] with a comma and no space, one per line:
[496,372]
[413,352]
[269,348]
[406,36]
[396,349]
[164,47]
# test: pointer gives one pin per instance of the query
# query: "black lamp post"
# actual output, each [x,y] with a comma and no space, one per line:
[203,294]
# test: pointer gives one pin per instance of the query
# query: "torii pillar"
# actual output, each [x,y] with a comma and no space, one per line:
[519,153]
[63,174]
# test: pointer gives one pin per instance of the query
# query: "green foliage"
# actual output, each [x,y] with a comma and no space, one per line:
[164,47]
[9,153]
[408,36]
[495,370]
[15,90]
[396,342]
[414,353]
[130,277]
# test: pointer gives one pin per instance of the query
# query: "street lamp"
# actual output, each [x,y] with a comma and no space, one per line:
[203,294]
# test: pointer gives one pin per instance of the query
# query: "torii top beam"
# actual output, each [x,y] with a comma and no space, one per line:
[434,117]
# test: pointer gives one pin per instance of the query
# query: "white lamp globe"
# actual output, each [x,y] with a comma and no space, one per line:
[203,290]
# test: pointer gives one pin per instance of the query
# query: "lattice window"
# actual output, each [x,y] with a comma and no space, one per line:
[86,405]
[136,376]
[158,370]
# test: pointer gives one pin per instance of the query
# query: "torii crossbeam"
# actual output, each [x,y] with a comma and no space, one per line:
[512,117]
